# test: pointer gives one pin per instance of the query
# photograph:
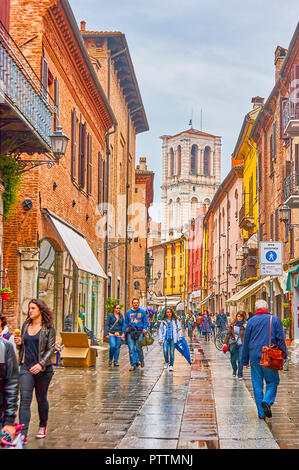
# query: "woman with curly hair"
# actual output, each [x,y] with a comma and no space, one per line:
[170,332]
[36,345]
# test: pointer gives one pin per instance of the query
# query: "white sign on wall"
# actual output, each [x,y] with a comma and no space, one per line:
[271,259]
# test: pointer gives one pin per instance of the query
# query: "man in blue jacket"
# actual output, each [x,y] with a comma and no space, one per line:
[221,320]
[136,321]
[257,335]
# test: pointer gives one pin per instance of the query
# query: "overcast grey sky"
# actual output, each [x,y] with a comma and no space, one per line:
[196,54]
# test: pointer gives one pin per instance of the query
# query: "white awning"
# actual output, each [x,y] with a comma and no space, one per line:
[206,299]
[247,291]
[76,245]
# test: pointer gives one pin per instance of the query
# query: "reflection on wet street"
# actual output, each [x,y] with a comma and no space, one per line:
[195,407]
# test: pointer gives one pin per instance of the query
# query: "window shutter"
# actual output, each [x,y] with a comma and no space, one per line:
[274,140]
[4,13]
[294,95]
[82,156]
[56,101]
[100,177]
[74,143]
[44,77]
[276,225]
[283,103]
[89,164]
[105,181]
[296,164]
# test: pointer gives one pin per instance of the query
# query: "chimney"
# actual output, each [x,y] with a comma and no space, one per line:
[142,163]
[257,102]
[82,26]
[279,57]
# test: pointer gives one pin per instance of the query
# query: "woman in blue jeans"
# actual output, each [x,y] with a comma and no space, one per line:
[170,332]
[113,333]
[234,341]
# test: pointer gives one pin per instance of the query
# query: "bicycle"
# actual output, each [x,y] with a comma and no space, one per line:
[154,329]
[219,339]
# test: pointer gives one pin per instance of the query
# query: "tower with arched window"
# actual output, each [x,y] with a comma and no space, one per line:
[191,176]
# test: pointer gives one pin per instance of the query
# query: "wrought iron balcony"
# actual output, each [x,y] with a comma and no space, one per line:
[246,218]
[291,190]
[291,118]
[26,108]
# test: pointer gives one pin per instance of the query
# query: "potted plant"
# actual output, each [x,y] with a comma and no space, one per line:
[5,293]
[286,322]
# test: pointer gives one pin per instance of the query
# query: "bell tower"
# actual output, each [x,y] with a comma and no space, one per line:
[190,178]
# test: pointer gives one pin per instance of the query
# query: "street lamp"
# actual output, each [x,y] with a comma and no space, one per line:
[229,271]
[285,215]
[245,249]
[112,245]
[59,143]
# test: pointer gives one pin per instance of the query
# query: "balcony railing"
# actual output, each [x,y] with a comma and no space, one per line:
[291,189]
[21,88]
[291,117]
[246,217]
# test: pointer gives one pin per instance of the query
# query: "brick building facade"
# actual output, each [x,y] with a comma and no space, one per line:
[63,212]
[110,55]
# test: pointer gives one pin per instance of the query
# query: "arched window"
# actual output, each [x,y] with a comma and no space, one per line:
[194,158]
[207,161]
[171,162]
[178,213]
[179,160]
[47,271]
[194,205]
[237,203]
[170,214]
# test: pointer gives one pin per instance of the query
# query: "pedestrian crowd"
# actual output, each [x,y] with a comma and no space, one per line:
[247,342]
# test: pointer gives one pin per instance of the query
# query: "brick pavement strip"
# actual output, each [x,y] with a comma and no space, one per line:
[194,407]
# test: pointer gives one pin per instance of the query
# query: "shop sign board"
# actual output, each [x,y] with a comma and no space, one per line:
[271,258]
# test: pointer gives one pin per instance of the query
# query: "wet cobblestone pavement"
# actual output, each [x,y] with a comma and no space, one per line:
[195,407]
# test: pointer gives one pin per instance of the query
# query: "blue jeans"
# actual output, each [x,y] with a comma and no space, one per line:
[114,349]
[271,377]
[133,347]
[235,359]
[168,350]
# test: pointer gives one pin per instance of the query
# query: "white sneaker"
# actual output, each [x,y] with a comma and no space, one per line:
[165,365]
[170,368]
[240,378]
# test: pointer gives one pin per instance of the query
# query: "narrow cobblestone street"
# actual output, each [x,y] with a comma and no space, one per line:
[195,407]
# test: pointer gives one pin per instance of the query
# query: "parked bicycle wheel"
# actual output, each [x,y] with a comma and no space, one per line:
[219,338]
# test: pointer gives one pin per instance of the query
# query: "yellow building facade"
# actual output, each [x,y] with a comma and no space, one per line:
[176,268]
[248,215]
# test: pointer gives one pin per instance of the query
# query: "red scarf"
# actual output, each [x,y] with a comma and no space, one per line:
[261,311]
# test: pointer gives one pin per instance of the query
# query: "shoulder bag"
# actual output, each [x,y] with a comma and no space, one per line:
[106,340]
[272,356]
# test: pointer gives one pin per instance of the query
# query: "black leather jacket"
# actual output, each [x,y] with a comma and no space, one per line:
[9,383]
[46,345]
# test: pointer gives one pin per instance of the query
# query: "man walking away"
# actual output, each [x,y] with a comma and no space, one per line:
[221,320]
[9,387]
[257,333]
[135,326]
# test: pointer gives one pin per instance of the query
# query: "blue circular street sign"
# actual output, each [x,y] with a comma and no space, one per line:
[271,256]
